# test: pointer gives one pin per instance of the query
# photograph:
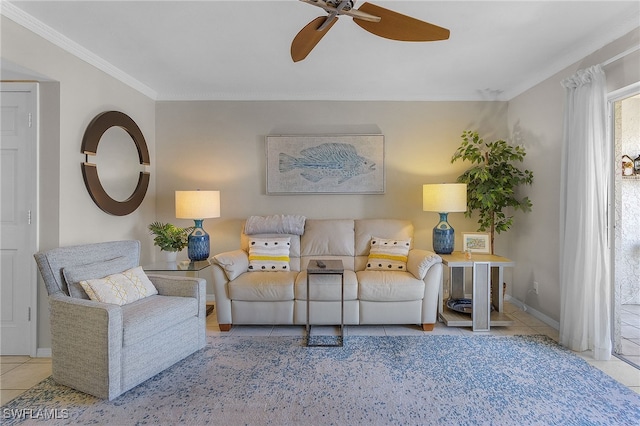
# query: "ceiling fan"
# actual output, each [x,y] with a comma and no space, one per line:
[375,19]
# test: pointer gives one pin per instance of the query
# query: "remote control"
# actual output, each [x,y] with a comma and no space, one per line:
[320,264]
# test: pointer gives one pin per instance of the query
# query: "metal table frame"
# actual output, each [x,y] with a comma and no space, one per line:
[333,267]
[487,279]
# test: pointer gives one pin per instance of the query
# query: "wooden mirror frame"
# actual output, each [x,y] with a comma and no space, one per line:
[98,126]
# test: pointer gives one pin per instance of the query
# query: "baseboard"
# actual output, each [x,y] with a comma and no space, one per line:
[534,313]
[43,353]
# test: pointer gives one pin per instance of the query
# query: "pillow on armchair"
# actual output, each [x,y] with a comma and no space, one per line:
[120,289]
[74,274]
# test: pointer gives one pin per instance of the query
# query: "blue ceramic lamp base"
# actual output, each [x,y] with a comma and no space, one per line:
[443,236]
[198,247]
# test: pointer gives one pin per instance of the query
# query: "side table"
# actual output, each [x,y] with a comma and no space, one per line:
[487,279]
[185,268]
[331,267]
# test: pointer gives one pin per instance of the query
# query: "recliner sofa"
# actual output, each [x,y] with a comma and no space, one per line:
[275,296]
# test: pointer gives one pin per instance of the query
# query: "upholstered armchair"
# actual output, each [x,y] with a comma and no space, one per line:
[105,349]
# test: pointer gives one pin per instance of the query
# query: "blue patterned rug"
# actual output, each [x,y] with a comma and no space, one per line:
[403,380]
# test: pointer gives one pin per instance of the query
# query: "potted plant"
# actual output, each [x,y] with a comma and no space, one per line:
[492,181]
[170,238]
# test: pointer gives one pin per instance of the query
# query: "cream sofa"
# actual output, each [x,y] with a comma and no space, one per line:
[408,296]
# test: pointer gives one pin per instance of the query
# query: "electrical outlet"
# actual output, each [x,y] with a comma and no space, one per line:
[535,287]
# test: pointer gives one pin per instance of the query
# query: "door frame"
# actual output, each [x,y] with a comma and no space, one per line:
[32,199]
[613,97]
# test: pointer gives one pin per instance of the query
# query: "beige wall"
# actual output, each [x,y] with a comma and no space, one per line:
[535,118]
[72,94]
[221,145]
[84,93]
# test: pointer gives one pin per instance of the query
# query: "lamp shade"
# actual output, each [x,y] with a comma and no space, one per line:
[444,197]
[197,204]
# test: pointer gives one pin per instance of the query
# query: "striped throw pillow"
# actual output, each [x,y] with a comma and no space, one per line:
[269,254]
[388,255]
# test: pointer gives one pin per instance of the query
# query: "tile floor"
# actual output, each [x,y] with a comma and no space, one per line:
[19,373]
[630,330]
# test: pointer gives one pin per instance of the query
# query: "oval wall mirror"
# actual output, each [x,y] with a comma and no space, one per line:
[115,129]
[117,163]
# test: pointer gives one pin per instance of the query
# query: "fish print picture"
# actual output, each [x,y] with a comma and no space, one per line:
[328,160]
[325,164]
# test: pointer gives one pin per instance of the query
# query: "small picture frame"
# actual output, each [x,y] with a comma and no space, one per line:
[476,242]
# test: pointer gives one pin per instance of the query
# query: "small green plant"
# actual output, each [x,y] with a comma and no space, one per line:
[492,181]
[169,237]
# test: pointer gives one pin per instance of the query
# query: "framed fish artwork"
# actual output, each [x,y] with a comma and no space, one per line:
[327,164]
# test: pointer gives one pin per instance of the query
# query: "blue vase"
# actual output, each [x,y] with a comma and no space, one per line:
[198,247]
[443,236]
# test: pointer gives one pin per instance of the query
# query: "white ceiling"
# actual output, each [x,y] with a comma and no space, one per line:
[191,50]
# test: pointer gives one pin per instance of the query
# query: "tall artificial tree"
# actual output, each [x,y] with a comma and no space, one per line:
[492,181]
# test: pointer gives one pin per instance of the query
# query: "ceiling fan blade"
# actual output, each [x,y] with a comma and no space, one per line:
[308,37]
[396,26]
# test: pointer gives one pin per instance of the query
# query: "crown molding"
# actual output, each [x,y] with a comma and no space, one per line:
[32,24]
[576,54]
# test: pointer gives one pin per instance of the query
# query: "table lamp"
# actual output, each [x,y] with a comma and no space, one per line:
[198,205]
[444,198]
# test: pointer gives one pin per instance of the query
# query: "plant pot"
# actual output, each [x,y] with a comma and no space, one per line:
[170,256]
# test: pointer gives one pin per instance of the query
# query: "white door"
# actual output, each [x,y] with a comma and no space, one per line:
[18,171]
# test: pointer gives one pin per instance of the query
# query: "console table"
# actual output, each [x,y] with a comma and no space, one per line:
[487,291]
[331,267]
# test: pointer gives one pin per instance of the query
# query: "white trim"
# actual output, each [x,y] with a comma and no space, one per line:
[537,314]
[29,22]
[613,97]
[620,56]
[43,353]
[624,92]
[573,56]
[35,218]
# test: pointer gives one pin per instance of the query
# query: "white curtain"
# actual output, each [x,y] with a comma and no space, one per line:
[584,255]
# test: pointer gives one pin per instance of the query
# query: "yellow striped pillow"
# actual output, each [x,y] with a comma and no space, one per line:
[269,254]
[388,255]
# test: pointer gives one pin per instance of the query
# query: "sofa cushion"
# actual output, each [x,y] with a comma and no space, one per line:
[155,314]
[269,254]
[327,287]
[324,237]
[265,286]
[120,289]
[381,286]
[233,263]
[365,229]
[388,254]
[74,274]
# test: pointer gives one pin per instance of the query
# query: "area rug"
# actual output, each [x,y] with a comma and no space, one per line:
[401,380]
